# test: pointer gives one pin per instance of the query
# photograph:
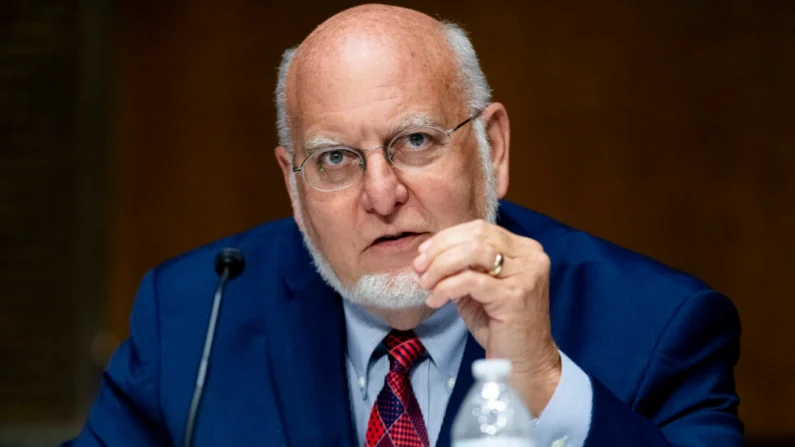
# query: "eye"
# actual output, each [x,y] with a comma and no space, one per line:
[335,159]
[415,141]
[418,140]
[418,146]
[332,158]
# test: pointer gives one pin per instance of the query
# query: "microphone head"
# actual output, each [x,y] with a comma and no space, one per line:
[230,259]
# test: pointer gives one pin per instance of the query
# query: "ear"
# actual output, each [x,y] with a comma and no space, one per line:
[285,160]
[498,130]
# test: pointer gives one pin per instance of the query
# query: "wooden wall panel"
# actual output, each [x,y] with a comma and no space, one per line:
[39,301]
[665,127]
[53,129]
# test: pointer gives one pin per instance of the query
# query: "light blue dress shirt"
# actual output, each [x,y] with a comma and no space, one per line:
[564,422]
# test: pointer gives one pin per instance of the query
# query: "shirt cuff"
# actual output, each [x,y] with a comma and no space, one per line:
[567,417]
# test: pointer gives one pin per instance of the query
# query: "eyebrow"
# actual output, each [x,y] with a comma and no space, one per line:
[319,142]
[409,121]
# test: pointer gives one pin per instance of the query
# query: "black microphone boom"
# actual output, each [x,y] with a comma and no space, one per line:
[229,264]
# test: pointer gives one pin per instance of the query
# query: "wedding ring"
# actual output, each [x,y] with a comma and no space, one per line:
[497,268]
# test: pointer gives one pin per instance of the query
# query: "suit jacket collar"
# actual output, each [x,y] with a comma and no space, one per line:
[307,350]
[473,351]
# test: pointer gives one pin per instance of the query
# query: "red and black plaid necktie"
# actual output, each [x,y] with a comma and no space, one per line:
[396,419]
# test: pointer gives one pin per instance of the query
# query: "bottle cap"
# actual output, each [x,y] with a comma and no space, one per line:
[491,369]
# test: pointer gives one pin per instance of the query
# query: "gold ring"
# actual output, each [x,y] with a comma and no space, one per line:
[497,268]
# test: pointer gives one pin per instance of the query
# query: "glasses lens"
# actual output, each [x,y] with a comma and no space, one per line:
[418,147]
[332,169]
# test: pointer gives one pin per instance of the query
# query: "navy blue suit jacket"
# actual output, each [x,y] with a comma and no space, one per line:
[658,345]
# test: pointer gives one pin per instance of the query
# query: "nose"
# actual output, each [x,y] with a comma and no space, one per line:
[383,190]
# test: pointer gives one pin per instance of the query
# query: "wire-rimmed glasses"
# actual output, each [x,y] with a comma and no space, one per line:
[337,167]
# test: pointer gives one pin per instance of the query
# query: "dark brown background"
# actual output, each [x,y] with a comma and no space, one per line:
[666,127]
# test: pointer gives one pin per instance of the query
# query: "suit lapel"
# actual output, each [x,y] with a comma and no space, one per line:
[473,351]
[306,339]
[237,408]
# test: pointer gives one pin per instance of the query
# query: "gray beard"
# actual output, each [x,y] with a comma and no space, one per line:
[396,290]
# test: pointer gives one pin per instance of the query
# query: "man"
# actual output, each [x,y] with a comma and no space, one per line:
[357,322]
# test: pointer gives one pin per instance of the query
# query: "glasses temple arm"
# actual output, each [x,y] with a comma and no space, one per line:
[466,121]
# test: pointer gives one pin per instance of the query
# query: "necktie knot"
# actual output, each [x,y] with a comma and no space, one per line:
[404,349]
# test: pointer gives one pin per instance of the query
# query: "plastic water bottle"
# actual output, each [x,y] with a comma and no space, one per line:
[492,414]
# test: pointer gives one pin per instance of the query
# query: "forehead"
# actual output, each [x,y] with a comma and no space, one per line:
[368,79]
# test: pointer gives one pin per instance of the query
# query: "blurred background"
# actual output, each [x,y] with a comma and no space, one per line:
[132,131]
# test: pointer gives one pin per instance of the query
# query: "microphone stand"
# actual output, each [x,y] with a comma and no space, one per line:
[229,263]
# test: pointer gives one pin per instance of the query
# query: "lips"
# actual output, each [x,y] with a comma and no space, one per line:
[395,242]
[394,237]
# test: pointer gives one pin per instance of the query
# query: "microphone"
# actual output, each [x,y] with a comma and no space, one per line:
[229,264]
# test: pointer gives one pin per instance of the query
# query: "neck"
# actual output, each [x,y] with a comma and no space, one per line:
[402,319]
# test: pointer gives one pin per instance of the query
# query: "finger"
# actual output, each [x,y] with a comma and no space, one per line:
[473,254]
[480,286]
[455,235]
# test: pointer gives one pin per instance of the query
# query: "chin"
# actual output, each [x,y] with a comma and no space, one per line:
[397,270]
[393,290]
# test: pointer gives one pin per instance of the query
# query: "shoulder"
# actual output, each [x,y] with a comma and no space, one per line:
[264,239]
[575,252]
[266,248]
[612,306]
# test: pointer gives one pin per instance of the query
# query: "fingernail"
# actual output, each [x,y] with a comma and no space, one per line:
[425,245]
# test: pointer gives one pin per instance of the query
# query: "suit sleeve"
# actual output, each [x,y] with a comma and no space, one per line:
[126,411]
[687,396]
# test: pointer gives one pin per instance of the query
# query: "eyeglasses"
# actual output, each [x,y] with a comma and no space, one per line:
[338,167]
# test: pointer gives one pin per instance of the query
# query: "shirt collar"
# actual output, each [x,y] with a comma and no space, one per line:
[443,334]
[365,332]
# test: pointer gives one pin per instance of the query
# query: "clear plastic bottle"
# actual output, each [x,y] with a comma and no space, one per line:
[492,414]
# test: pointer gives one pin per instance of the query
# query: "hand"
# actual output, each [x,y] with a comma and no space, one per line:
[507,314]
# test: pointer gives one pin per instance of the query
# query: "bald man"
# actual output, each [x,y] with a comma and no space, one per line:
[357,321]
